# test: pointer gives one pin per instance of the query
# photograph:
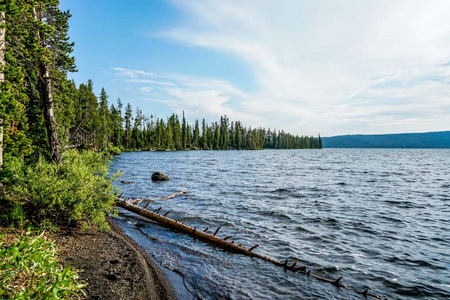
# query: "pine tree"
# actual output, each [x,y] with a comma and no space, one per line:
[52,56]
[224,132]
[232,137]
[238,136]
[116,123]
[128,120]
[84,131]
[38,57]
[136,133]
[104,120]
[196,135]
[210,136]
[65,95]
[216,141]
[169,137]
[188,136]
[204,136]
[183,132]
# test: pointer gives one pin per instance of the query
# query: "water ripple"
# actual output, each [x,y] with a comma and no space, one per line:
[380,218]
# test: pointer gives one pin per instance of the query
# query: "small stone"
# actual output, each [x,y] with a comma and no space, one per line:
[159,176]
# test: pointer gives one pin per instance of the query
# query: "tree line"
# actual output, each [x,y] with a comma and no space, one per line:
[44,116]
[99,125]
[43,111]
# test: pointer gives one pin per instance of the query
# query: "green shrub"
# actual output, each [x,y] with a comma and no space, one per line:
[76,192]
[29,270]
[112,150]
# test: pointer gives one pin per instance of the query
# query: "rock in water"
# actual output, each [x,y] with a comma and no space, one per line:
[126,182]
[159,176]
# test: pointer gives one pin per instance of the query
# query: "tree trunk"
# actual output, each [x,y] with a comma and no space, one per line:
[46,95]
[2,75]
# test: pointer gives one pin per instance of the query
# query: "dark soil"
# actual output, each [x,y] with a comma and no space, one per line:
[113,266]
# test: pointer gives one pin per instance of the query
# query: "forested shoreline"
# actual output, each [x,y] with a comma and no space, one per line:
[45,118]
[43,111]
[55,145]
[100,126]
[85,121]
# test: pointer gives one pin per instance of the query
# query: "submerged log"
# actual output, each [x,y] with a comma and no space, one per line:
[230,246]
[139,200]
[148,200]
[172,195]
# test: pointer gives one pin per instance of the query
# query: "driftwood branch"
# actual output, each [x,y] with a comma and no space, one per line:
[172,195]
[217,230]
[139,200]
[253,247]
[230,246]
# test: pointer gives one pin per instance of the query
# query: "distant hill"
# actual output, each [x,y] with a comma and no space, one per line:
[403,140]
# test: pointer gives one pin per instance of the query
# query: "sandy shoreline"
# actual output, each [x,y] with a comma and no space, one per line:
[113,265]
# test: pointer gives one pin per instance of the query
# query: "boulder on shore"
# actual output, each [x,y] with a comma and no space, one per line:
[159,176]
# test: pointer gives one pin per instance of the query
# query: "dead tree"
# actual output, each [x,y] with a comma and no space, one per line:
[45,89]
[227,244]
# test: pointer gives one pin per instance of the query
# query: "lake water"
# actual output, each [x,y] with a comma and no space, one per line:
[378,217]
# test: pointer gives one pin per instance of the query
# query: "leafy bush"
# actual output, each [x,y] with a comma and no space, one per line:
[112,150]
[29,270]
[76,192]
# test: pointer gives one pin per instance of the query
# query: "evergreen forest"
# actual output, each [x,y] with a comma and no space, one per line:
[56,141]
[44,112]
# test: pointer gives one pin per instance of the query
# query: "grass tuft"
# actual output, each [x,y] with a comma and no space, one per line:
[29,269]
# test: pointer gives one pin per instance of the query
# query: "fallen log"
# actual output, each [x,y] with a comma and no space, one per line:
[172,195]
[139,200]
[229,245]
[188,229]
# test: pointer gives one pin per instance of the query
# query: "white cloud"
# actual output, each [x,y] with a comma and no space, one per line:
[145,89]
[129,73]
[320,65]
[151,81]
[207,98]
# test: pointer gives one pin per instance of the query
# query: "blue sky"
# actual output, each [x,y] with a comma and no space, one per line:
[308,67]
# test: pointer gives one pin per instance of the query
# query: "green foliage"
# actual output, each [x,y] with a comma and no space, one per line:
[113,150]
[13,105]
[76,192]
[36,34]
[18,216]
[29,269]
[84,120]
